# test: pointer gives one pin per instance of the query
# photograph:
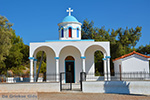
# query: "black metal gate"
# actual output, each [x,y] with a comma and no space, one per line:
[67,84]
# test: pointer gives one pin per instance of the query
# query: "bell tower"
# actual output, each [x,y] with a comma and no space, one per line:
[70,28]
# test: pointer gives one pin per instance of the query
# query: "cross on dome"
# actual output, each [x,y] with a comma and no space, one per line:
[70,11]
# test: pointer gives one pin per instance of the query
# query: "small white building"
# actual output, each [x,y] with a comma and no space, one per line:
[133,63]
[70,53]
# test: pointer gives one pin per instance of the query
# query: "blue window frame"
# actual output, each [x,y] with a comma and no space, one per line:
[77,32]
[62,32]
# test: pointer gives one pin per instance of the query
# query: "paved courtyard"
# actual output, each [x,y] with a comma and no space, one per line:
[70,96]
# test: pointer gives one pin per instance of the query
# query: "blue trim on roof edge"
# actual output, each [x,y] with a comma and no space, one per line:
[67,40]
[68,28]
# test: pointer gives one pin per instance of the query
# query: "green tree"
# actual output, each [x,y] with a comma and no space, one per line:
[39,54]
[144,50]
[25,52]
[87,29]
[5,40]
[43,65]
[125,41]
[122,41]
[14,59]
[98,63]
[13,52]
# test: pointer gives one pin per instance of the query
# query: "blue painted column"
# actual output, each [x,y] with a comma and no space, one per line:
[57,68]
[105,69]
[108,67]
[83,63]
[31,68]
[107,76]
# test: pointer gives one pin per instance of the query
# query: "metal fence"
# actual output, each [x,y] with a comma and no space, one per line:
[131,76]
[138,76]
[65,81]
[27,78]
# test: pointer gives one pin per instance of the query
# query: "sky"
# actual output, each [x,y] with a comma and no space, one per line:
[37,20]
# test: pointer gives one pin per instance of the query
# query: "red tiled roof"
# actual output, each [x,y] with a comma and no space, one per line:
[126,55]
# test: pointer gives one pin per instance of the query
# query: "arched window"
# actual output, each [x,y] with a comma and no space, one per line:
[62,32]
[70,32]
[69,58]
[77,32]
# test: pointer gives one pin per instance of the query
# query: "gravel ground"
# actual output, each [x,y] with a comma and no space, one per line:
[89,96]
[19,96]
[69,96]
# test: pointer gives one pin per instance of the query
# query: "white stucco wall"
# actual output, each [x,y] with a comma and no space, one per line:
[126,87]
[56,46]
[77,49]
[30,87]
[133,63]
[89,61]
[50,65]
[116,66]
[74,26]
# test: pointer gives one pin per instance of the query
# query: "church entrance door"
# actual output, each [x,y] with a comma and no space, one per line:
[69,69]
[70,72]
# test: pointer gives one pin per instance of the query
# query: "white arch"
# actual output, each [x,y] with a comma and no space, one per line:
[42,48]
[50,59]
[76,54]
[97,47]
[69,45]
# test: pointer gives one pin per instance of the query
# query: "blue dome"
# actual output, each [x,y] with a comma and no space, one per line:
[70,19]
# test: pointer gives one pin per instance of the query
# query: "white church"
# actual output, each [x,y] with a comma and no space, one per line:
[70,53]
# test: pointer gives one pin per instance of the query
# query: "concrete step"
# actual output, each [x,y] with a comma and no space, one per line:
[71,91]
